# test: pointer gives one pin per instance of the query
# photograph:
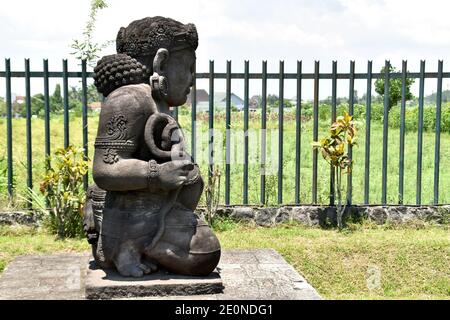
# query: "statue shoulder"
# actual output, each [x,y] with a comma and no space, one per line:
[133,98]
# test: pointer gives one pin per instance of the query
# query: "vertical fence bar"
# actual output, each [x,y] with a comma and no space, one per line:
[420,134]
[401,165]
[194,114]
[351,102]
[66,103]
[280,133]
[315,129]
[263,132]
[85,119]
[228,133]
[246,94]
[298,132]
[333,119]
[211,118]
[367,144]
[46,109]
[28,126]
[387,66]
[9,127]
[175,113]
[437,144]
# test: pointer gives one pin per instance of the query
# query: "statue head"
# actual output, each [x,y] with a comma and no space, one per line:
[166,48]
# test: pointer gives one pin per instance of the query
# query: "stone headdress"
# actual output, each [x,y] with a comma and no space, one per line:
[144,37]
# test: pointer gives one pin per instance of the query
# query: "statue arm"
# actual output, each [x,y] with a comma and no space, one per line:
[122,122]
[125,174]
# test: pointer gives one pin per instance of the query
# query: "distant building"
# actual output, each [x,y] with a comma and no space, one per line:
[220,99]
[202,100]
[19,99]
[95,106]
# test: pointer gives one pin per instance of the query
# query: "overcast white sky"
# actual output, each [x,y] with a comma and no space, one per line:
[289,30]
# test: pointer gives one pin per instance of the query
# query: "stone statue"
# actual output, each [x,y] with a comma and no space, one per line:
[140,214]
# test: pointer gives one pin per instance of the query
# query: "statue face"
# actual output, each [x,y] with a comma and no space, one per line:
[179,71]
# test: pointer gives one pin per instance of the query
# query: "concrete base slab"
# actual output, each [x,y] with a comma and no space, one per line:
[45,277]
[109,284]
[245,274]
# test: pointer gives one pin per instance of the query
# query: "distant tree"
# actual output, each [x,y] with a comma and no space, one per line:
[275,101]
[56,102]
[255,101]
[38,104]
[92,94]
[272,100]
[18,109]
[395,88]
[87,49]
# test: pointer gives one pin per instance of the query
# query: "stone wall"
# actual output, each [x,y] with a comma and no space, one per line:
[20,217]
[308,215]
[325,215]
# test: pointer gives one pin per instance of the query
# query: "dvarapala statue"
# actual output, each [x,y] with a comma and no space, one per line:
[140,214]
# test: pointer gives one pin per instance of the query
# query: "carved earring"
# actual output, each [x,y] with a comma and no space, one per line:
[159,83]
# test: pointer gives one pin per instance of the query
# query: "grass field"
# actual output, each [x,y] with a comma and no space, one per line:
[411,262]
[19,155]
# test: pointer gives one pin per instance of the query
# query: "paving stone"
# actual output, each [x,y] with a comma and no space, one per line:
[57,276]
[245,274]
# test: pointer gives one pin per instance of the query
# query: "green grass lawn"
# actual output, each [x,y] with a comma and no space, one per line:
[413,262]
[19,155]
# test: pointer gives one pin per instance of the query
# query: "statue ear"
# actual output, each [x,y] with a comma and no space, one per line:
[158,81]
[161,58]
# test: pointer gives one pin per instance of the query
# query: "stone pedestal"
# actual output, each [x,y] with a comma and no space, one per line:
[109,284]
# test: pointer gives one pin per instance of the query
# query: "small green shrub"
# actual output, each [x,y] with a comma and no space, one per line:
[62,187]
[412,118]
[376,113]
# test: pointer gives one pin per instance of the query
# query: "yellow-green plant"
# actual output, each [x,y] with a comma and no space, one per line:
[342,133]
[62,187]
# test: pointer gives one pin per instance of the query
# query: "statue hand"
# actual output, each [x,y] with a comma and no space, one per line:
[173,174]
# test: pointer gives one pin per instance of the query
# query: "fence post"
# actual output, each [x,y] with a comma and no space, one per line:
[437,144]
[263,131]
[351,101]
[420,134]
[298,132]
[246,94]
[280,133]
[315,130]
[387,67]
[28,130]
[47,109]
[228,134]
[85,119]
[9,127]
[401,178]
[66,104]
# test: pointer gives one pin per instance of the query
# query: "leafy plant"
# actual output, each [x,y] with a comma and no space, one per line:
[333,149]
[87,49]
[212,195]
[62,187]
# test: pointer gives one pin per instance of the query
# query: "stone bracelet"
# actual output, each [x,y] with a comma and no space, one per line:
[153,170]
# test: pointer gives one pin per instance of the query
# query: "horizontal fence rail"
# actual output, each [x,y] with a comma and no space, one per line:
[264,76]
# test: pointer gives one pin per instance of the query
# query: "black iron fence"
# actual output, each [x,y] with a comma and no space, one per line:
[264,76]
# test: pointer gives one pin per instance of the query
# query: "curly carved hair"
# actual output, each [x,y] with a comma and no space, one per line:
[118,70]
